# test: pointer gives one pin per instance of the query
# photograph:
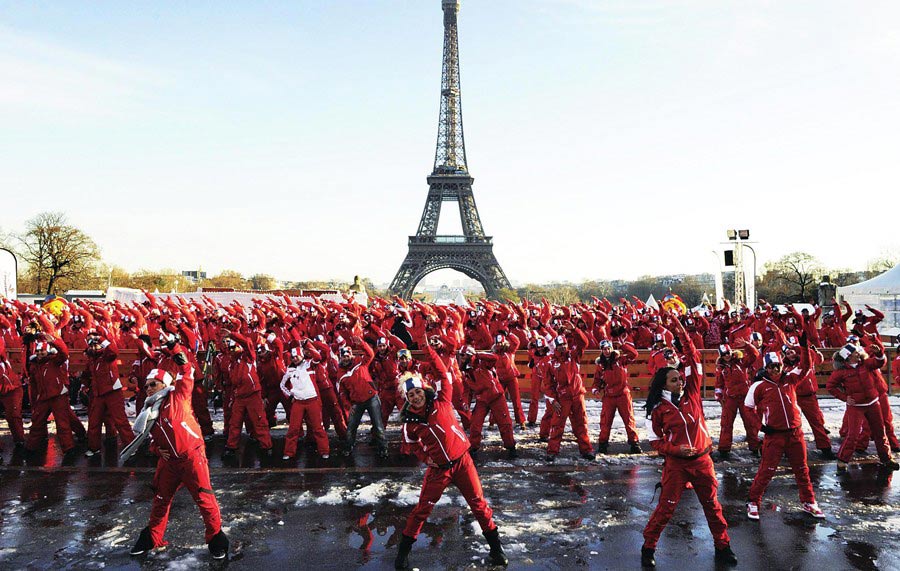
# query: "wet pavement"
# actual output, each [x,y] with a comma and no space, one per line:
[346,513]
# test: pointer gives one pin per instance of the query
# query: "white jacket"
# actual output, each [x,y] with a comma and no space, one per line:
[302,385]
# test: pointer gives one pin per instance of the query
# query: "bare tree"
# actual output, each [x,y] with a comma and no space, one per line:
[56,251]
[799,271]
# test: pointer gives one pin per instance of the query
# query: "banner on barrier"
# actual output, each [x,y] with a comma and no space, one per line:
[8,266]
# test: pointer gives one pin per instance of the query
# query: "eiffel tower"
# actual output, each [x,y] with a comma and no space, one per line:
[473,252]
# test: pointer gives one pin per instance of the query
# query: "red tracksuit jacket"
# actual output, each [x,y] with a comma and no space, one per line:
[103,365]
[441,439]
[50,376]
[176,430]
[613,377]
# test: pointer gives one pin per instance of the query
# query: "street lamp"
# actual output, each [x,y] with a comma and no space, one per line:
[738,237]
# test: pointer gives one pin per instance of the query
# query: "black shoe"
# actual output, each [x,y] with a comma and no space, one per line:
[726,556]
[511,452]
[543,439]
[402,560]
[496,556]
[827,454]
[755,453]
[647,557]
[383,453]
[532,424]
[724,455]
[603,448]
[218,546]
[144,543]
[635,448]
[589,456]
[891,465]
[229,453]
[69,457]
[895,450]
[19,446]
[550,458]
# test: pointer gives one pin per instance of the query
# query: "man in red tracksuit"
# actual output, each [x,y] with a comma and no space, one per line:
[854,381]
[430,427]
[248,402]
[733,370]
[611,385]
[178,442]
[445,348]
[107,405]
[383,370]
[564,392]
[479,375]
[773,396]
[505,348]
[11,395]
[332,413]
[48,372]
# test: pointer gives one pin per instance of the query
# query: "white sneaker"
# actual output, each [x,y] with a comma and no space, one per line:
[285,457]
[90,453]
[324,456]
[813,510]
[753,510]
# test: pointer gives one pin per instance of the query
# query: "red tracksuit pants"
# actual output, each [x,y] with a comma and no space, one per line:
[309,410]
[332,412]
[200,407]
[621,404]
[862,441]
[858,418]
[251,408]
[108,409]
[191,472]
[461,474]
[731,407]
[273,397]
[499,412]
[390,399]
[776,445]
[574,411]
[40,415]
[809,406]
[12,410]
[676,473]
[534,402]
[511,387]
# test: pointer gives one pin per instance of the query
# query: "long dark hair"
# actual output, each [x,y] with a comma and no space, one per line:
[657,385]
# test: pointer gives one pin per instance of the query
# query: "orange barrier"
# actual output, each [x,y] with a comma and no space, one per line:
[637,371]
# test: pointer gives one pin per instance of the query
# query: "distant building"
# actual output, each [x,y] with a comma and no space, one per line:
[194,276]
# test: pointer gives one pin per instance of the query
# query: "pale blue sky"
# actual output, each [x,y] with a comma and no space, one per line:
[607,139]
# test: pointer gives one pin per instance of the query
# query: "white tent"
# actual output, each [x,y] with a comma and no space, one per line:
[881,292]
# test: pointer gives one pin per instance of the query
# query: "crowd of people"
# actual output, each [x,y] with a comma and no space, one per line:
[330,364]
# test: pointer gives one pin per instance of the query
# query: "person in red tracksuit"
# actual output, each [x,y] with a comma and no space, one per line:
[807,399]
[611,385]
[505,348]
[48,372]
[248,402]
[304,400]
[678,433]
[479,375]
[11,395]
[332,413]
[431,428]
[733,370]
[177,440]
[540,371]
[853,381]
[107,405]
[383,370]
[445,348]
[271,370]
[357,387]
[773,396]
[564,392]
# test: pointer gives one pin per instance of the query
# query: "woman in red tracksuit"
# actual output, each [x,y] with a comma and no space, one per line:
[11,395]
[855,382]
[773,395]
[678,432]
[431,429]
[611,384]
[505,348]
[178,441]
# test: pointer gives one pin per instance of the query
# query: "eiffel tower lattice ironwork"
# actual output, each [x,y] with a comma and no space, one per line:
[472,253]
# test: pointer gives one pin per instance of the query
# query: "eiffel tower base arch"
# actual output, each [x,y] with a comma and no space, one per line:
[481,266]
